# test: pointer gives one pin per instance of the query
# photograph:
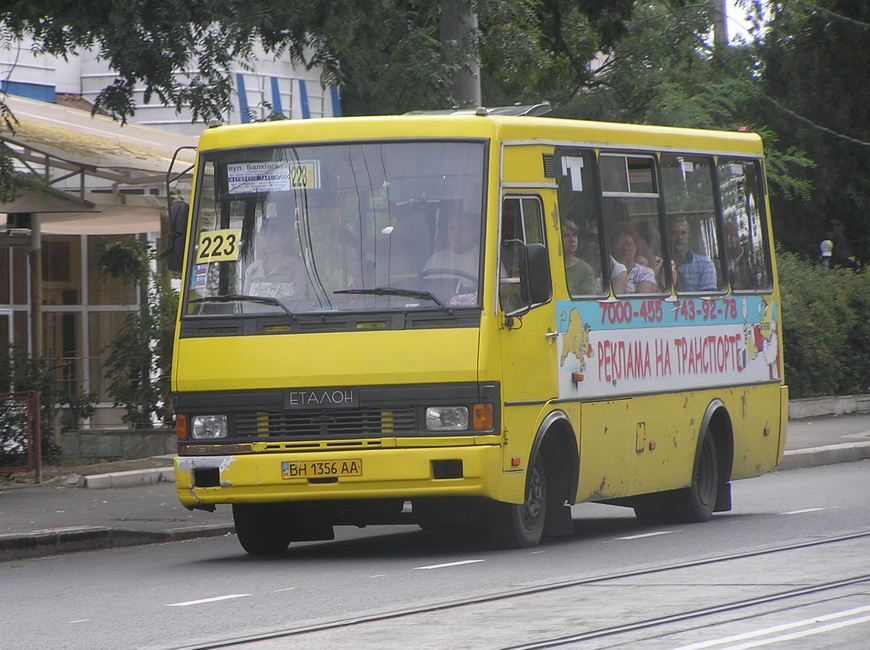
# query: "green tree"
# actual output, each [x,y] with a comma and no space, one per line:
[813,63]
[542,50]
[664,70]
[140,356]
[385,54]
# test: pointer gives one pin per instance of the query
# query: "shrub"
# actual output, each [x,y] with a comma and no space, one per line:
[20,372]
[825,328]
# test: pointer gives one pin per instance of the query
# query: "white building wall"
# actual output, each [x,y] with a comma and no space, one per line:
[262,86]
[24,72]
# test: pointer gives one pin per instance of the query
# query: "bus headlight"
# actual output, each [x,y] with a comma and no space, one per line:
[205,427]
[447,418]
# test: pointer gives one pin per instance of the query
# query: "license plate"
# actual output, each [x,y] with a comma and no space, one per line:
[321,468]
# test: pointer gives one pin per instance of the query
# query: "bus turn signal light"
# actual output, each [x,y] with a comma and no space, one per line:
[482,417]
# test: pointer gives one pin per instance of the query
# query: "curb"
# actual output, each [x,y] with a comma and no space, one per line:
[814,407]
[829,455]
[126,479]
[39,543]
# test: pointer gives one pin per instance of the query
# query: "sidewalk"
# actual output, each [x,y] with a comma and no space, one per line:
[140,506]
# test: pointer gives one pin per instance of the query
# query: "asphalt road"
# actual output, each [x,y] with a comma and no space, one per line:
[189,593]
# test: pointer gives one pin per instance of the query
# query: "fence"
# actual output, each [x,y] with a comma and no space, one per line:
[20,433]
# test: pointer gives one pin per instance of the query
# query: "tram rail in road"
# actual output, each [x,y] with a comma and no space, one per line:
[416,620]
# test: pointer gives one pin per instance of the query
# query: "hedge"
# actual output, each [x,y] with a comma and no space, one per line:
[825,328]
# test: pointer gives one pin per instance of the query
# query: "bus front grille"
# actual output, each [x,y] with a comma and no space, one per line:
[350,423]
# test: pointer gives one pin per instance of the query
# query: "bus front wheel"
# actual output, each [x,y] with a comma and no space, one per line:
[521,525]
[261,528]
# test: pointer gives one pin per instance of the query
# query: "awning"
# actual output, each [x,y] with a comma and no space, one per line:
[137,213]
[91,152]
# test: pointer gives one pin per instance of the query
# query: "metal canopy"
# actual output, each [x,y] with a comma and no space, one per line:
[46,200]
[78,157]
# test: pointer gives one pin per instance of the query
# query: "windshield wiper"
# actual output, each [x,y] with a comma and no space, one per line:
[407,293]
[237,297]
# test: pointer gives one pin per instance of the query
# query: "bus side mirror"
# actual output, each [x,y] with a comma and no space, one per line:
[174,253]
[537,281]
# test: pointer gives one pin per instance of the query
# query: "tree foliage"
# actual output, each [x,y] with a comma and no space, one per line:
[386,54]
[814,69]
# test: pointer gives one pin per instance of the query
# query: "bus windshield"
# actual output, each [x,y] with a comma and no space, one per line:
[342,227]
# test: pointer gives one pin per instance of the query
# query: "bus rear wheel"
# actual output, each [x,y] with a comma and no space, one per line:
[521,525]
[693,504]
[262,528]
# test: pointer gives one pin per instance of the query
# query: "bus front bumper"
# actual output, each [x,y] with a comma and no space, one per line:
[364,474]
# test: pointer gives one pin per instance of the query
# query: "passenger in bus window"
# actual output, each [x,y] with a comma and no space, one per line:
[461,255]
[618,272]
[277,270]
[649,247]
[410,240]
[695,272]
[640,278]
[578,273]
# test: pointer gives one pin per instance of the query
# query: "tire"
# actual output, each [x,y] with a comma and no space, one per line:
[262,528]
[693,504]
[521,525]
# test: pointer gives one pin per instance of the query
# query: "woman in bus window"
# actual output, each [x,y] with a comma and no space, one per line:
[618,274]
[641,279]
[578,273]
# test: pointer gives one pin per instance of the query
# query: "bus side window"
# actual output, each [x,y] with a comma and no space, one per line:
[745,233]
[522,220]
[692,235]
[579,207]
[509,270]
[630,206]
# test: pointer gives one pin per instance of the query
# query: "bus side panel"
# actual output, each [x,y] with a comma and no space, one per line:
[607,450]
[647,443]
[759,432]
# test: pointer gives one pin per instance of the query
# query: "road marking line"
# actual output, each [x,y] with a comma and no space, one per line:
[378,575]
[207,600]
[81,620]
[824,629]
[285,589]
[448,564]
[800,512]
[782,628]
[661,532]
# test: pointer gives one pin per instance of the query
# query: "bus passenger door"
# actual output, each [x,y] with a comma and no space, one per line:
[528,344]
